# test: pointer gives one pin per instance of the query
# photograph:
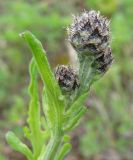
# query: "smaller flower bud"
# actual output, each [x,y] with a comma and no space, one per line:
[67,78]
[104,60]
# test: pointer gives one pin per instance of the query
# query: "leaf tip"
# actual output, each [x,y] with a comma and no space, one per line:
[9,136]
[23,34]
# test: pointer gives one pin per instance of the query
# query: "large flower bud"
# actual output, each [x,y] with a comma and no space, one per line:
[67,78]
[89,32]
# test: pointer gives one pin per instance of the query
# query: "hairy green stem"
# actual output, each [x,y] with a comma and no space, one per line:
[52,148]
[87,74]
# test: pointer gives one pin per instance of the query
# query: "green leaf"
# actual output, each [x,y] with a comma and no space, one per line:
[36,136]
[56,107]
[66,138]
[74,121]
[17,145]
[77,104]
[42,63]
[74,113]
[27,132]
[75,109]
[63,152]
[49,111]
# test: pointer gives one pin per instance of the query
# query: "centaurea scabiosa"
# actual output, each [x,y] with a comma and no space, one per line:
[65,90]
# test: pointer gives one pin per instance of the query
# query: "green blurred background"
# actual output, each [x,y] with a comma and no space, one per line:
[106,132]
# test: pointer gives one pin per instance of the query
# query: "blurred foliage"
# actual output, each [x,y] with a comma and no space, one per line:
[109,120]
[105,6]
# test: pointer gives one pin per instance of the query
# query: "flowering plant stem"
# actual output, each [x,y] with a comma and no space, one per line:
[54,120]
[38,53]
[65,92]
[52,148]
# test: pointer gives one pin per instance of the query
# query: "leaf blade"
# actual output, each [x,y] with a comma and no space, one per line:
[42,63]
[34,119]
[17,145]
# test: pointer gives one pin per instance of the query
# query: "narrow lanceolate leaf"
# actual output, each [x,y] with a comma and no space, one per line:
[77,104]
[50,114]
[34,112]
[42,63]
[75,109]
[74,121]
[17,145]
[50,83]
[64,151]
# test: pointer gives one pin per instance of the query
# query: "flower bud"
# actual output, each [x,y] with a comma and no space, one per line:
[67,78]
[104,60]
[90,36]
[89,33]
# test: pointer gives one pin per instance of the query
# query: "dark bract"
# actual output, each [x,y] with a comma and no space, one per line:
[89,32]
